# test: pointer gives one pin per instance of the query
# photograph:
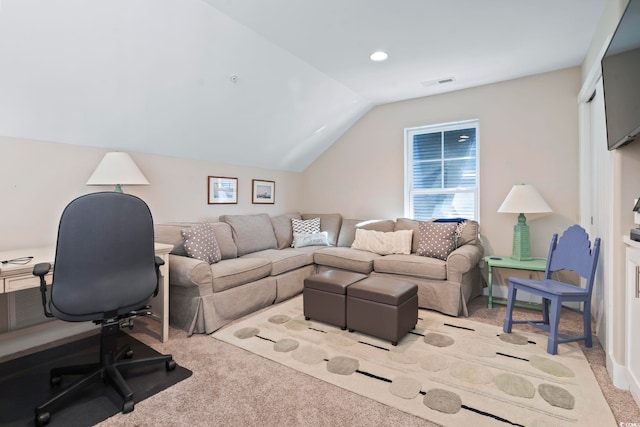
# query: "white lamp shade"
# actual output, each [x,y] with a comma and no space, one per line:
[117,168]
[524,198]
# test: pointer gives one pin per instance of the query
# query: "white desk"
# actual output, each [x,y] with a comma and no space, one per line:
[16,277]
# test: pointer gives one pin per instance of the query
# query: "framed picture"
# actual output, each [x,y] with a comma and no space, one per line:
[263,191]
[222,189]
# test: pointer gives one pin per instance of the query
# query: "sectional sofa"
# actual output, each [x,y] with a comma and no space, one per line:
[258,266]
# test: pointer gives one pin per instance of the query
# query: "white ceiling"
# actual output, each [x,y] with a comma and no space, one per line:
[266,83]
[476,42]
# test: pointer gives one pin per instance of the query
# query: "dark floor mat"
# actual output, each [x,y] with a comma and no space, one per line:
[24,384]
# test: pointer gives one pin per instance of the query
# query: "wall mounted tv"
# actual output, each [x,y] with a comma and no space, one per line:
[621,80]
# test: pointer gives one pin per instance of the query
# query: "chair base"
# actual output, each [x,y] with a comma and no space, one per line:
[108,369]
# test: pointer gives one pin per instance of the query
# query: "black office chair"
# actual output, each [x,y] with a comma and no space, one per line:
[105,271]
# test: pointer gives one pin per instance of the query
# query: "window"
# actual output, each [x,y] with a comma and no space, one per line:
[441,171]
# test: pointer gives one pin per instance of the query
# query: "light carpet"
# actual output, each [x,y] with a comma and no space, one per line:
[451,371]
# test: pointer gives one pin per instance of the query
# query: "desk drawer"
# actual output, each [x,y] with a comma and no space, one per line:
[12,284]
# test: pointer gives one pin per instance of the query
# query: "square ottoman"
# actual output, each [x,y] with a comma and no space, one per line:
[324,296]
[384,308]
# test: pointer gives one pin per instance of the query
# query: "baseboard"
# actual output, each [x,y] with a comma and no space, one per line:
[19,341]
[618,373]
[634,387]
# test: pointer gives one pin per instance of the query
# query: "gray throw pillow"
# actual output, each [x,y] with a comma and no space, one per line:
[436,239]
[200,243]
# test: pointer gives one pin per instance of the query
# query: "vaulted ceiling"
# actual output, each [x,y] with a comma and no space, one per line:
[266,83]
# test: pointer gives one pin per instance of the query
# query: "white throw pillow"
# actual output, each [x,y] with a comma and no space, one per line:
[383,243]
[301,240]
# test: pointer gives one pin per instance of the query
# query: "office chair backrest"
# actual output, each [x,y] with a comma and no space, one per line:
[573,252]
[104,262]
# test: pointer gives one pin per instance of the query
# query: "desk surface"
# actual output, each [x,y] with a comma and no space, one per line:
[16,277]
[45,254]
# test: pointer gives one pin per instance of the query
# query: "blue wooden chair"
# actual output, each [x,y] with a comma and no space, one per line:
[573,252]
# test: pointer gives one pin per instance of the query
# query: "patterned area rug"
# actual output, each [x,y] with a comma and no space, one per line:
[451,371]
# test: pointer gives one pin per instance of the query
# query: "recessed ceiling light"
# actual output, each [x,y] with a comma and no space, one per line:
[379,56]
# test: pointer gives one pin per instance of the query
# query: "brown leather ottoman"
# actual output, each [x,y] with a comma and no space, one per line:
[384,308]
[324,296]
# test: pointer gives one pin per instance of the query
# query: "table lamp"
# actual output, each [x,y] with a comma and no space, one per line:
[522,199]
[117,168]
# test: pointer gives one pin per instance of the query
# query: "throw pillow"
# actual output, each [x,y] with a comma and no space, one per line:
[200,243]
[301,240]
[305,226]
[383,243]
[436,239]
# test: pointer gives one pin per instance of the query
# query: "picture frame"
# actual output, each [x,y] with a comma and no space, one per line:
[222,190]
[263,192]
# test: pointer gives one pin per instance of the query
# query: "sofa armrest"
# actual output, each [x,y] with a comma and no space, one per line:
[188,272]
[463,260]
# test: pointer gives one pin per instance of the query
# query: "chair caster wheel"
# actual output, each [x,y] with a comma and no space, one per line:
[42,418]
[170,365]
[55,380]
[307,318]
[127,407]
[128,354]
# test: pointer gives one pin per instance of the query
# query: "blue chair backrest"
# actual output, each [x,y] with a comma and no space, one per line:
[574,252]
[104,257]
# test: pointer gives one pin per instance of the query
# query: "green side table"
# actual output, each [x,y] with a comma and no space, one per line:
[536,264]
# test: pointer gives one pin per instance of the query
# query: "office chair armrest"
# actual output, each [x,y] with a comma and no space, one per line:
[41,270]
[159,261]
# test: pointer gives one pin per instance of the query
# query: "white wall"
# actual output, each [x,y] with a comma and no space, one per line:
[38,179]
[528,134]
[619,172]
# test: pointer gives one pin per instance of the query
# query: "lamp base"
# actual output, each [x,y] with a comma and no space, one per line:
[521,242]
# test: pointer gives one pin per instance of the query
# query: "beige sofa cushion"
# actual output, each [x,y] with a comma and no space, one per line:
[409,224]
[282,229]
[235,272]
[282,260]
[469,234]
[329,223]
[227,246]
[251,233]
[346,259]
[171,233]
[412,265]
[348,229]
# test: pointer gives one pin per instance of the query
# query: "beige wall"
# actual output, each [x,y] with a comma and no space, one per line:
[528,134]
[38,179]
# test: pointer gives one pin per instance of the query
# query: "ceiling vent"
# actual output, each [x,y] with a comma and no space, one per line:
[438,82]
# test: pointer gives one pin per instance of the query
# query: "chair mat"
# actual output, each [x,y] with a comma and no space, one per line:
[24,384]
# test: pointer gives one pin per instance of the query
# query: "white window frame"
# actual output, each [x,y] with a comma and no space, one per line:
[409,191]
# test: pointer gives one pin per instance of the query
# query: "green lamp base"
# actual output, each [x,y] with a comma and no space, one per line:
[521,241]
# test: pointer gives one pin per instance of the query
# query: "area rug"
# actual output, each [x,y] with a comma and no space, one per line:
[24,384]
[451,371]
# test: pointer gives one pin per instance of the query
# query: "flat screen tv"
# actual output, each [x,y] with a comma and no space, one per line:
[621,80]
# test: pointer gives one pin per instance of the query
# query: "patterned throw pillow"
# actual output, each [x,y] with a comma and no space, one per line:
[436,239]
[200,243]
[305,226]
